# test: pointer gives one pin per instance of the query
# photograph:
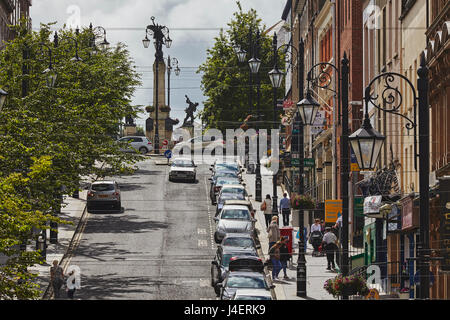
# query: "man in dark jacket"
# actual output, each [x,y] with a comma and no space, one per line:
[285,256]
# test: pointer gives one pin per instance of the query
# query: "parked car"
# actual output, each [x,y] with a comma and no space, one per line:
[219,266]
[184,169]
[233,219]
[221,174]
[219,183]
[199,144]
[226,165]
[222,197]
[243,240]
[135,144]
[103,195]
[252,294]
[243,273]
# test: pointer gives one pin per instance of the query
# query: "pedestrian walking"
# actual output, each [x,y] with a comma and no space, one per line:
[273,231]
[329,243]
[285,208]
[71,288]
[322,225]
[266,207]
[56,278]
[285,256]
[275,256]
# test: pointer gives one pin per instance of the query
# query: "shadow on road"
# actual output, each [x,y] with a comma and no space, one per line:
[101,223]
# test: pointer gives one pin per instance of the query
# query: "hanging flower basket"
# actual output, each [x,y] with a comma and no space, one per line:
[150,109]
[302,202]
[165,109]
[349,286]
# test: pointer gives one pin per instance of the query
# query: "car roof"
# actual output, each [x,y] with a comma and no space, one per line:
[238,250]
[186,159]
[236,186]
[234,206]
[104,182]
[247,273]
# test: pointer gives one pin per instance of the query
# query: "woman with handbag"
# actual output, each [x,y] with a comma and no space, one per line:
[56,278]
[266,207]
[273,231]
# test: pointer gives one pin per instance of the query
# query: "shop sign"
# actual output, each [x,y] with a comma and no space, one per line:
[332,210]
[393,224]
[409,218]
[372,205]
[444,198]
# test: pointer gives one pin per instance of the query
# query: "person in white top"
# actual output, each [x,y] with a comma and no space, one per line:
[329,241]
[316,226]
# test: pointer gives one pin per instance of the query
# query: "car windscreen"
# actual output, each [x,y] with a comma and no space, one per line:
[227,166]
[102,187]
[231,196]
[241,281]
[182,163]
[240,214]
[238,191]
[221,181]
[238,242]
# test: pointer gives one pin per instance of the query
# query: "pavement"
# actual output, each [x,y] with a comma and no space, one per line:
[316,266]
[73,211]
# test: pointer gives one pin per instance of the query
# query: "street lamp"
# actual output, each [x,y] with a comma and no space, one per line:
[366,144]
[368,140]
[170,62]
[3,95]
[160,35]
[308,108]
[99,32]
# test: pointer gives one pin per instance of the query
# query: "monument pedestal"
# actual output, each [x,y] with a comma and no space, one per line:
[129,130]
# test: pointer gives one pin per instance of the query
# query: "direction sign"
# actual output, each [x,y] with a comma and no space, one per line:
[168,154]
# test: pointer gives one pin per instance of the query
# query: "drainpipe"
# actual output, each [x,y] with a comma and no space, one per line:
[335,103]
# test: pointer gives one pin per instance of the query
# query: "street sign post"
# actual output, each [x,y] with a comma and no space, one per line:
[168,155]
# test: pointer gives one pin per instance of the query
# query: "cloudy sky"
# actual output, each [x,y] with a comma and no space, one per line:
[193,25]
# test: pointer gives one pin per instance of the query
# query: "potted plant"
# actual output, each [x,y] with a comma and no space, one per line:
[302,202]
[165,109]
[150,109]
[350,286]
[404,293]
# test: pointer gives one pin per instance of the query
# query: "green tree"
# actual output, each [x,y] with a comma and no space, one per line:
[51,137]
[225,82]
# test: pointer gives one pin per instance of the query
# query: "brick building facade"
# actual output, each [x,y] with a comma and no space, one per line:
[11,11]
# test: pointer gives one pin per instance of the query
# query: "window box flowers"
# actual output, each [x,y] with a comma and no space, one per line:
[404,293]
[302,202]
[350,286]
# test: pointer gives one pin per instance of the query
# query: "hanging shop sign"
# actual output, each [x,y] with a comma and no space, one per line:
[410,219]
[372,205]
[332,210]
[393,216]
[444,198]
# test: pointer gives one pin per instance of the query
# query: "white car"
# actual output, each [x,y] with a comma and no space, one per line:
[234,219]
[136,143]
[182,169]
[252,294]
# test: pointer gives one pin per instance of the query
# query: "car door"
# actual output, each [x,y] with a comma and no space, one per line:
[136,143]
[124,140]
[215,270]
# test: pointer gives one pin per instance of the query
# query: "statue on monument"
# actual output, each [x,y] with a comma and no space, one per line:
[190,113]
[129,121]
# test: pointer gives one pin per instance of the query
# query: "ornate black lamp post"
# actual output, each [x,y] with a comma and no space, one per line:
[367,143]
[308,109]
[99,33]
[160,35]
[171,64]
[276,78]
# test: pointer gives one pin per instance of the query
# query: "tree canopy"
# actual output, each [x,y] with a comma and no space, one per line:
[51,137]
[225,81]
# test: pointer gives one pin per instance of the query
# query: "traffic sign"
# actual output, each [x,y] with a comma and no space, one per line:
[168,154]
[165,143]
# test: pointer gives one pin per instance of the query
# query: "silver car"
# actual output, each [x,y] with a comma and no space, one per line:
[135,144]
[183,169]
[233,219]
[103,195]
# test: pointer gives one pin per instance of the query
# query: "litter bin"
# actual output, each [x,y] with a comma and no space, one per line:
[287,231]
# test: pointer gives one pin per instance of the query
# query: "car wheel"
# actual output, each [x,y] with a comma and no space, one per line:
[119,206]
[217,291]
[194,179]
[143,150]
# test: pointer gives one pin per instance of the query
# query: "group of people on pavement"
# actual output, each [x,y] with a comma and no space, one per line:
[57,278]
[278,249]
